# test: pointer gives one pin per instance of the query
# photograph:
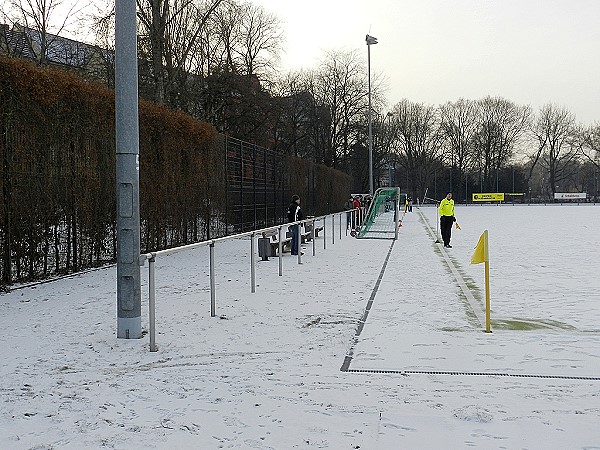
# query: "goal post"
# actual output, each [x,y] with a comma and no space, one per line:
[384,214]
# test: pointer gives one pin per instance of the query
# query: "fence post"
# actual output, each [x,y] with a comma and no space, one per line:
[314,245]
[333,228]
[152,302]
[280,250]
[325,233]
[252,274]
[299,243]
[212,279]
[397,213]
[341,225]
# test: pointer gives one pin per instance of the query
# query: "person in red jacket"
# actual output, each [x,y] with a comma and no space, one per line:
[356,212]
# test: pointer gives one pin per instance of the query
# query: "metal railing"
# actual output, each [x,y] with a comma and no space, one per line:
[152,256]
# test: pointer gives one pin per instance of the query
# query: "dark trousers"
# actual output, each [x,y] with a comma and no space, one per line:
[295,230]
[446,228]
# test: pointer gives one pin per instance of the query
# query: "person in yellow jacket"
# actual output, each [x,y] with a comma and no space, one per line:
[446,210]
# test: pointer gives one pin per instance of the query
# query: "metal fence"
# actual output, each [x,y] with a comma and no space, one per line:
[331,224]
[257,189]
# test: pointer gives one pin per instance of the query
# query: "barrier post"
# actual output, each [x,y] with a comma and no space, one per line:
[314,245]
[212,279]
[252,269]
[299,243]
[280,251]
[333,228]
[152,302]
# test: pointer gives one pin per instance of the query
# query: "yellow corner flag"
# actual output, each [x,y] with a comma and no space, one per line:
[481,254]
[481,251]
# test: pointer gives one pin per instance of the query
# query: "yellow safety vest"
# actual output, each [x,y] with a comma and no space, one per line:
[446,207]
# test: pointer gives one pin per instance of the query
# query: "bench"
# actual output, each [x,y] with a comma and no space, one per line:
[270,238]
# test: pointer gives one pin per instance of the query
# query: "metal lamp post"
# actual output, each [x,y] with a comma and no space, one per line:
[389,116]
[370,41]
[129,303]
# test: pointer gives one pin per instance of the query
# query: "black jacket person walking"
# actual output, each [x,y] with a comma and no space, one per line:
[294,214]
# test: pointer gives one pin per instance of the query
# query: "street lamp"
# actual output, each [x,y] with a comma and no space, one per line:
[389,116]
[370,41]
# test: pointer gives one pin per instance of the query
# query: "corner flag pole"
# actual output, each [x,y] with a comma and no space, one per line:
[482,255]
[487,284]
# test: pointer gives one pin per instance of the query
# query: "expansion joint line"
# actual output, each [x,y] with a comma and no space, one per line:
[363,320]
[475,374]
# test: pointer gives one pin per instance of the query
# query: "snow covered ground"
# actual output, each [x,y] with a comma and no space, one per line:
[265,373]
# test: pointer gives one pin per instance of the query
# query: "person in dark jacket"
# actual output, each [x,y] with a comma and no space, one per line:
[349,206]
[295,214]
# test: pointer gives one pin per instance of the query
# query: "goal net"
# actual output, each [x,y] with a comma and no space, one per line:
[383,215]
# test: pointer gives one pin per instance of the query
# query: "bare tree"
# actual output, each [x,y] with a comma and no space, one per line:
[292,128]
[590,144]
[419,142]
[340,87]
[219,40]
[172,28]
[556,134]
[501,125]
[260,40]
[42,16]
[458,122]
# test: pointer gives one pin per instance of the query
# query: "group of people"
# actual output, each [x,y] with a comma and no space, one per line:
[445,209]
[355,203]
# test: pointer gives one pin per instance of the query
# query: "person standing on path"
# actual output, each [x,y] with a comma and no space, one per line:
[295,214]
[446,210]
[356,213]
[349,206]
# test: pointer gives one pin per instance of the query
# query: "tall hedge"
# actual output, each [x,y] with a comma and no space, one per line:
[57,147]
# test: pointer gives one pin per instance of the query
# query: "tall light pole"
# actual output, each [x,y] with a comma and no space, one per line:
[370,41]
[129,303]
[389,116]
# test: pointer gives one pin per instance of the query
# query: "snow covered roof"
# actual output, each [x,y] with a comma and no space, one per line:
[30,43]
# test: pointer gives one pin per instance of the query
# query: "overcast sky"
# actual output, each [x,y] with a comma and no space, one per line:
[433,51]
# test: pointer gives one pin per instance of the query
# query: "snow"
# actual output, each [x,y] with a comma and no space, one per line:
[265,373]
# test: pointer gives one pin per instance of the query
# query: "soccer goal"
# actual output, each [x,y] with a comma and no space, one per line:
[383,216]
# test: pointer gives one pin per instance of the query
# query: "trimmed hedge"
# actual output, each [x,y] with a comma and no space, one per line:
[57,148]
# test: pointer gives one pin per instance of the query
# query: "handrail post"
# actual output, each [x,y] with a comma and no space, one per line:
[252,269]
[152,302]
[333,228]
[397,213]
[280,251]
[314,245]
[348,225]
[212,279]
[325,233]
[299,242]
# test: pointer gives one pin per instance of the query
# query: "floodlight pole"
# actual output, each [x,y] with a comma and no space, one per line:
[129,315]
[370,41]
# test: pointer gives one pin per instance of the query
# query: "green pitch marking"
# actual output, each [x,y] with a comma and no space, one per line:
[530,324]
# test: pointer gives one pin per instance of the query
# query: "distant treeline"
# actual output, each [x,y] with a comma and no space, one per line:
[57,201]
